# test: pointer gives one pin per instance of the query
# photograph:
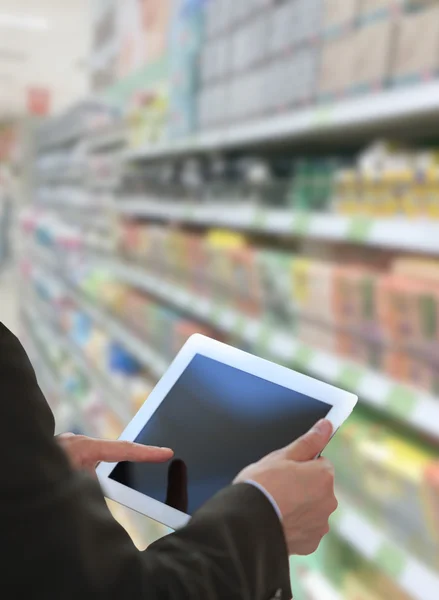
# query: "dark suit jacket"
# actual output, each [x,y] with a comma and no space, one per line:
[59,541]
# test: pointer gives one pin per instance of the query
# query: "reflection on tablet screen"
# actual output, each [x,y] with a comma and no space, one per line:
[217,419]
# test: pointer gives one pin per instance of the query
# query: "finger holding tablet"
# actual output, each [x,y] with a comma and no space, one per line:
[302,487]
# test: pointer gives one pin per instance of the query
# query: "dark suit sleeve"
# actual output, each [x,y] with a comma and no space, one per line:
[59,541]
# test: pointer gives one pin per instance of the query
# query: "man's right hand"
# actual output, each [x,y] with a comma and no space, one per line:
[302,487]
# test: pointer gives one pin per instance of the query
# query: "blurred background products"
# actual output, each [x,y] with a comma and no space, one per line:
[265,172]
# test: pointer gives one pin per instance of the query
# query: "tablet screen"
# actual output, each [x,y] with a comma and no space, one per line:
[217,419]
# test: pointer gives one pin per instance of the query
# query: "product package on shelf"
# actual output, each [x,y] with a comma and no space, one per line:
[306,23]
[185,46]
[339,16]
[281,20]
[277,284]
[336,68]
[312,184]
[301,73]
[390,476]
[390,180]
[371,46]
[147,115]
[371,10]
[416,55]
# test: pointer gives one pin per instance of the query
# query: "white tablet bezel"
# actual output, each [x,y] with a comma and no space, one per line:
[342,405]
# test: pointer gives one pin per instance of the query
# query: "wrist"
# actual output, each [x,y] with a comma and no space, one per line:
[267,494]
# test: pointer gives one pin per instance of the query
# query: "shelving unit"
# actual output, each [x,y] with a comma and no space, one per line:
[416,409]
[417,580]
[65,411]
[410,112]
[417,235]
[144,353]
[365,115]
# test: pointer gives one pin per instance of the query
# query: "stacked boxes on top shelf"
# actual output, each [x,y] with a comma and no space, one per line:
[278,56]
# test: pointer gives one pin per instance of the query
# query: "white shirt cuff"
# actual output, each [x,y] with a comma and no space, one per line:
[267,495]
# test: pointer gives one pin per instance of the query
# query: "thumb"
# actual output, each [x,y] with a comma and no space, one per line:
[310,445]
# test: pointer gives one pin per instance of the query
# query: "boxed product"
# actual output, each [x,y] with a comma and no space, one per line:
[245,284]
[360,349]
[354,300]
[336,68]
[337,14]
[409,313]
[387,471]
[198,262]
[306,24]
[301,76]
[220,274]
[417,46]
[347,192]
[372,51]
[371,9]
[275,270]
[413,369]
[281,18]
[313,289]
[216,15]
[177,257]
[277,85]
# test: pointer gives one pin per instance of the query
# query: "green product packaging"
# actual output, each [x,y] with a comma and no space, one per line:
[301,186]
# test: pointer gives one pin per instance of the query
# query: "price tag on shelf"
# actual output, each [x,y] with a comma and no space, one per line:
[188,212]
[301,224]
[401,401]
[259,218]
[390,560]
[349,378]
[322,116]
[359,229]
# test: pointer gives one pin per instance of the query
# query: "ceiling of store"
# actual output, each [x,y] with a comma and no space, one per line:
[43,43]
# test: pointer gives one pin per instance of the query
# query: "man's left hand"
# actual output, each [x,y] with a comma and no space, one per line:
[86,453]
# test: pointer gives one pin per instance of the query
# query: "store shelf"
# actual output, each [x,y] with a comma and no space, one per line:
[61,177]
[335,120]
[415,578]
[107,139]
[66,412]
[397,233]
[97,378]
[115,401]
[413,407]
[116,329]
[318,588]
[68,137]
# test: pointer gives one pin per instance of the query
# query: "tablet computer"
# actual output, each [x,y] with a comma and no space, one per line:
[220,409]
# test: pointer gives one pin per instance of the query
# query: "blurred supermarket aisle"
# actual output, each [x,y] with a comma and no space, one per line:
[265,172]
